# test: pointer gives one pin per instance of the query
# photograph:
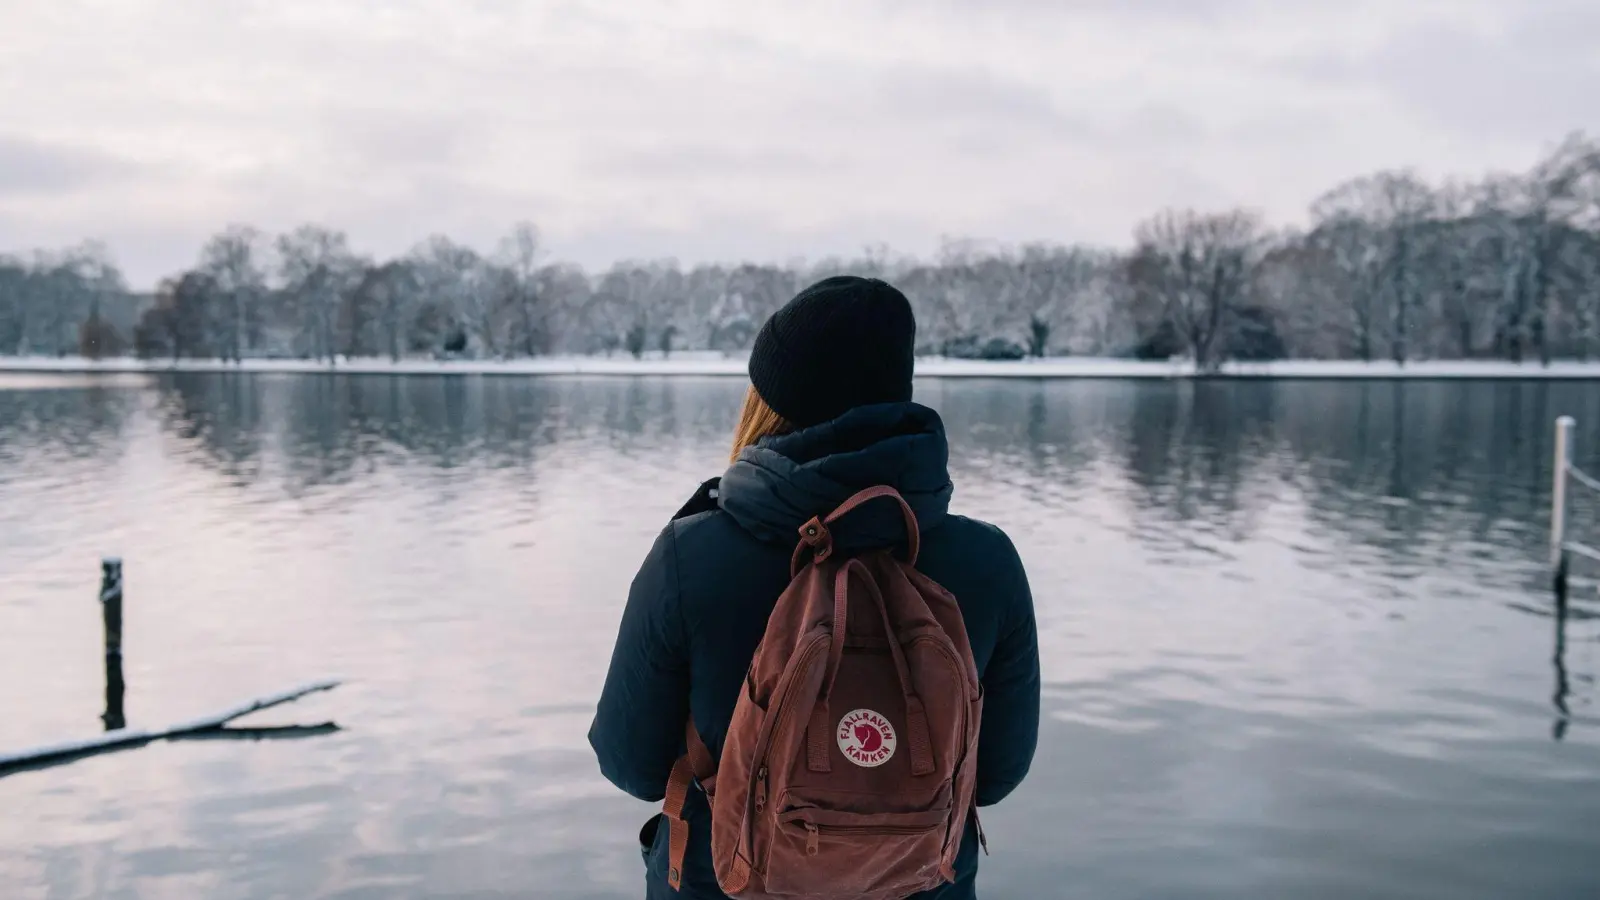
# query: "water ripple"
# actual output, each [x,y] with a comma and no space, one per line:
[1297,637]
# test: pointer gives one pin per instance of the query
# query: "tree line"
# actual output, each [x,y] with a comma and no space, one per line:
[1390,267]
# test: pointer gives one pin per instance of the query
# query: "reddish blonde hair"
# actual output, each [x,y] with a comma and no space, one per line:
[756,421]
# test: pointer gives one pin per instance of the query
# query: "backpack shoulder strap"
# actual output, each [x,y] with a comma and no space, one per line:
[695,765]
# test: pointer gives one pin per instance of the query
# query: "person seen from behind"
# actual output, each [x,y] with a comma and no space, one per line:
[834,767]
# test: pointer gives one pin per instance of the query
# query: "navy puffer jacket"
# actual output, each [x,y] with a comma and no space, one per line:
[699,606]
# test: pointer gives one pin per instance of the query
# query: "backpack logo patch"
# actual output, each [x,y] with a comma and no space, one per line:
[866,738]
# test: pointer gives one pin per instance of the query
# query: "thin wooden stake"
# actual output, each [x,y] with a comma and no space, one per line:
[114,716]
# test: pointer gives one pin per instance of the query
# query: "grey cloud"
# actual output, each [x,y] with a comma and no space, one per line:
[29,166]
[1191,10]
[399,138]
[970,96]
[473,213]
[1285,127]
[147,251]
[1184,11]
[570,14]
[382,222]
[740,238]
[1146,129]
[1158,123]
[1560,26]
[463,130]
[697,159]
[967,110]
[1060,213]
[389,216]
[1539,76]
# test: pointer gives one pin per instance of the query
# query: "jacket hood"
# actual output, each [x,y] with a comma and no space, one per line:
[779,484]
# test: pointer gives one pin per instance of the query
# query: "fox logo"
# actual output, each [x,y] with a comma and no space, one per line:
[870,738]
[866,738]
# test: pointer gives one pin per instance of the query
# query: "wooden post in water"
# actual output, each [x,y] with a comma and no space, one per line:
[1563,714]
[111,615]
[117,733]
[1558,504]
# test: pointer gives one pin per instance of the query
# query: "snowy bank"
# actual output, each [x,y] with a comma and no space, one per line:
[927,367]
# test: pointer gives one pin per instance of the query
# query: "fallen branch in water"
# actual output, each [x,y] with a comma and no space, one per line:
[221,719]
[246,733]
[126,737]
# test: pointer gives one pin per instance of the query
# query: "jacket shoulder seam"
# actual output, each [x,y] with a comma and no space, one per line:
[677,583]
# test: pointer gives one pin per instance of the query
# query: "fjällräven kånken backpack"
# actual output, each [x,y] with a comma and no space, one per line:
[850,763]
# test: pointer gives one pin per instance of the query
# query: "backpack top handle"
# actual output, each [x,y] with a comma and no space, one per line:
[815,536]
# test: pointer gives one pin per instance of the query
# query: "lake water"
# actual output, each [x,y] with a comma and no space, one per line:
[1298,638]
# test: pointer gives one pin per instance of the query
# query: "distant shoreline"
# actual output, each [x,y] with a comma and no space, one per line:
[716,365]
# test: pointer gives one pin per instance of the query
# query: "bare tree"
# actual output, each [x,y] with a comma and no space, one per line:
[461,282]
[318,269]
[375,314]
[1056,285]
[1195,268]
[1560,197]
[1392,267]
[609,313]
[632,300]
[235,260]
[47,304]
[182,321]
[518,259]
[748,295]
[14,304]
[1376,223]
[1585,265]
[1294,283]
[390,292]
[695,307]
[53,296]
[1450,258]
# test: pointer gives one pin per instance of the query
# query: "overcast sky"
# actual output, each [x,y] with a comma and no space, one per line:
[733,129]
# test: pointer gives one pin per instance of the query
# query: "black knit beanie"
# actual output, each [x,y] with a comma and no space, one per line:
[840,343]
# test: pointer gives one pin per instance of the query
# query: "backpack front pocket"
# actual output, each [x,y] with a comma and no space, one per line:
[816,851]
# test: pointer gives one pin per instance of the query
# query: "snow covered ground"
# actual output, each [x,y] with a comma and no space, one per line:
[930,367]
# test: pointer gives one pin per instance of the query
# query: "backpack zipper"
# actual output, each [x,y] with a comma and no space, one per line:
[814,832]
[781,705]
[961,674]
[871,829]
[948,652]
[758,783]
